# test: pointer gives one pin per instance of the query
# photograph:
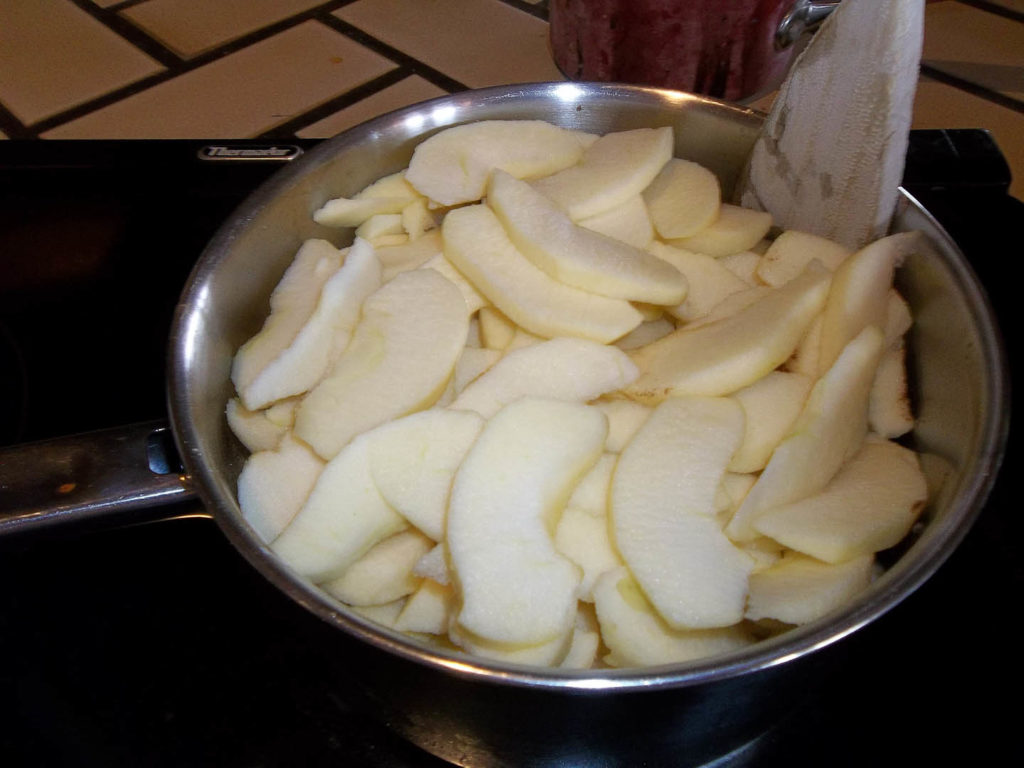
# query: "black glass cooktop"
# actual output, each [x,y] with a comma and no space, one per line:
[157,645]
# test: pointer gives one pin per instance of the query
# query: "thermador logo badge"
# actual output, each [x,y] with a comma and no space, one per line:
[278,152]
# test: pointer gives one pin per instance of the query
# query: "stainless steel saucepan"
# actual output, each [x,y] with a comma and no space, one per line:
[468,710]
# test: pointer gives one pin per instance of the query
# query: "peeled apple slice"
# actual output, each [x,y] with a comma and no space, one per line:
[683,199]
[637,637]
[453,166]
[325,334]
[560,369]
[721,357]
[476,243]
[399,360]
[830,156]
[662,506]
[291,303]
[344,516]
[578,256]
[413,461]
[273,485]
[614,168]
[516,589]
[859,295]
[828,431]
[868,506]
[799,589]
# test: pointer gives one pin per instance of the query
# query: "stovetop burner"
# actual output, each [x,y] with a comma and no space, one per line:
[158,645]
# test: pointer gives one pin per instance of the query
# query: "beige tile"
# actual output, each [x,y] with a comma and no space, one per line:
[401,94]
[477,42]
[941,106]
[983,48]
[191,27]
[240,95]
[54,56]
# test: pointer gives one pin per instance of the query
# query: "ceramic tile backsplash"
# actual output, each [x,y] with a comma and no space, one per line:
[55,56]
[476,42]
[976,46]
[403,93]
[192,27]
[237,68]
[243,94]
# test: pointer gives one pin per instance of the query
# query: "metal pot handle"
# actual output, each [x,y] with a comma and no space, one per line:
[125,474]
[805,17]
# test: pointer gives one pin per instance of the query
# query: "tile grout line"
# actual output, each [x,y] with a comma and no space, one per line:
[127,31]
[415,66]
[994,8]
[180,66]
[974,89]
[176,66]
[290,128]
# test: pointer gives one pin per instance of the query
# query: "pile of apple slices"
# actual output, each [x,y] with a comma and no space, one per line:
[558,404]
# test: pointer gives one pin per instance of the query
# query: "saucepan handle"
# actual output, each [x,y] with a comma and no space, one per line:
[806,16]
[125,474]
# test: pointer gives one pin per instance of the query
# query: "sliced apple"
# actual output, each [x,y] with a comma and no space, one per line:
[662,508]
[273,485]
[869,505]
[392,185]
[614,168]
[575,255]
[735,229]
[627,222]
[646,333]
[428,609]
[409,255]
[859,296]
[549,653]
[636,636]
[591,494]
[324,336]
[583,537]
[413,460]
[799,589]
[380,225]
[443,267]
[453,166]
[399,360]
[683,199]
[709,282]
[889,411]
[744,265]
[352,212]
[771,405]
[829,430]
[625,417]
[291,303]
[384,574]
[255,431]
[585,642]
[562,369]
[496,330]
[417,219]
[476,243]
[434,565]
[472,363]
[721,357]
[793,250]
[515,587]
[344,516]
